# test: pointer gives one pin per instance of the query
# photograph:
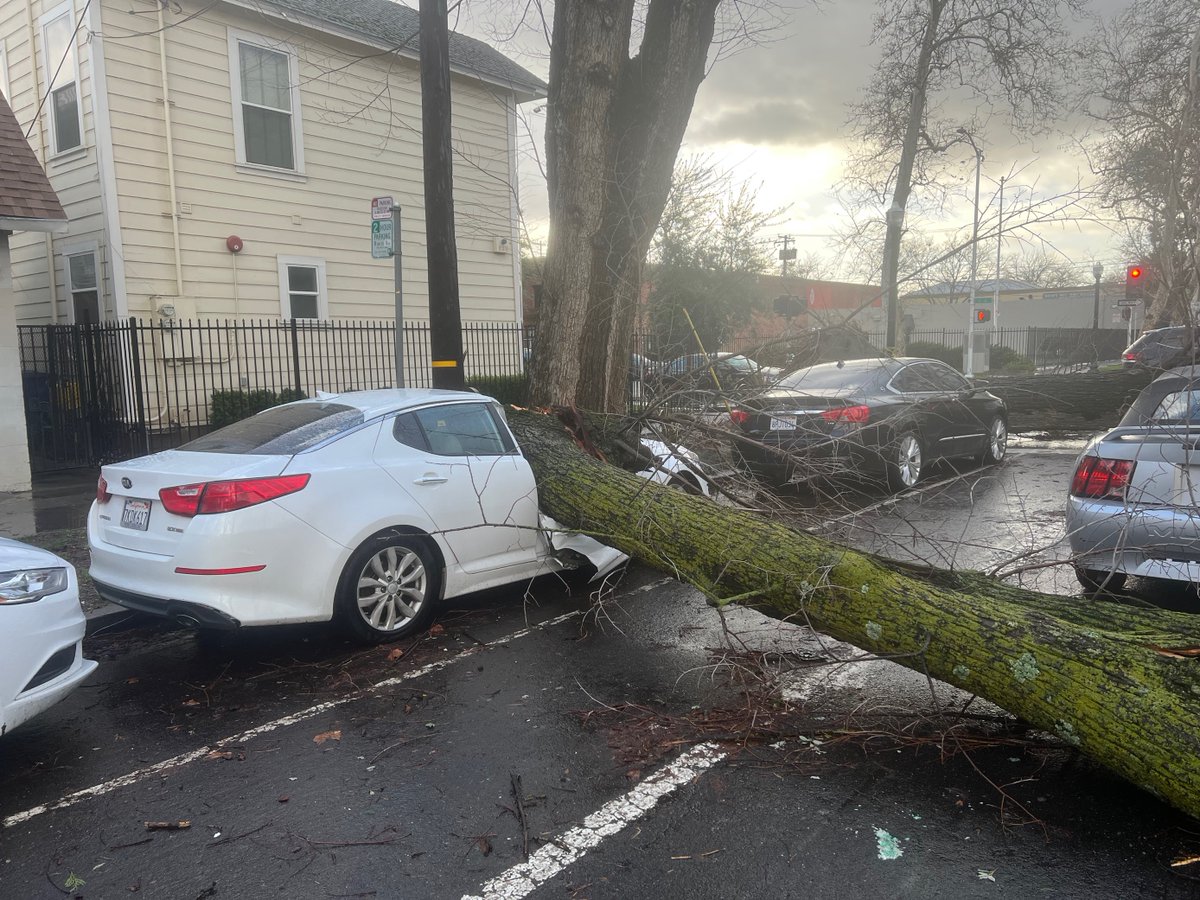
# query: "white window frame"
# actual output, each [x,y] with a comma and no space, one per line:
[285,297]
[235,91]
[82,249]
[49,66]
[4,85]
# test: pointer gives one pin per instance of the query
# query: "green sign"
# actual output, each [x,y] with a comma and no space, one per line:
[979,300]
[382,239]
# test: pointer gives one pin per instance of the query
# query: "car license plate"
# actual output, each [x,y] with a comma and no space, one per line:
[136,514]
[783,423]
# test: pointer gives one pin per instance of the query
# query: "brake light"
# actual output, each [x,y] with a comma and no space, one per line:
[226,496]
[102,494]
[1096,478]
[854,414]
[1131,357]
[739,416]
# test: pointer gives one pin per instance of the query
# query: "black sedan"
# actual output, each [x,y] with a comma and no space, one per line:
[880,417]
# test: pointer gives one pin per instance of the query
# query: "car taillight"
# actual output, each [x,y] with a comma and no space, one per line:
[226,496]
[102,494]
[1096,477]
[1131,357]
[739,416]
[855,414]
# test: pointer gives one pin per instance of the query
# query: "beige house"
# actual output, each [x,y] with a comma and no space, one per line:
[217,160]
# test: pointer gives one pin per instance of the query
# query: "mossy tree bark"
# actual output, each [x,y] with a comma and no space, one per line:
[1121,684]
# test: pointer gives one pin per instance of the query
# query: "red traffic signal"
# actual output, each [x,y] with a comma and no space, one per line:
[983,315]
[1137,283]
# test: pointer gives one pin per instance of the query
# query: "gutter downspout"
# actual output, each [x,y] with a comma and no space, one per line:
[51,274]
[162,61]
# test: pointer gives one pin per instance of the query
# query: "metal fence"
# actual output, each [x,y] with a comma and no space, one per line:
[96,393]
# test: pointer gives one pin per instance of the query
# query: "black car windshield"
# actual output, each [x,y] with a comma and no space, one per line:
[284,430]
[850,376]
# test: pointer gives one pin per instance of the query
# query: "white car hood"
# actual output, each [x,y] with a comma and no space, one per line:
[15,555]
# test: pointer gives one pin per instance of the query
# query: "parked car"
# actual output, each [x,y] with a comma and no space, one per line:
[41,632]
[369,508]
[711,372]
[875,417]
[1161,348]
[1132,504]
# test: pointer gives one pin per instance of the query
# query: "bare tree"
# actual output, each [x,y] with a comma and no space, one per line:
[943,64]
[1149,156]
[1039,268]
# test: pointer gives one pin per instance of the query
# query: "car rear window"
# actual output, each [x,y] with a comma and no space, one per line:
[1174,401]
[848,377]
[283,431]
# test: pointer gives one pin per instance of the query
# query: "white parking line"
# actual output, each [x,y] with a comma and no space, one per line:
[191,756]
[610,819]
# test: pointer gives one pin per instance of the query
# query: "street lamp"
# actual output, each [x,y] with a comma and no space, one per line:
[1097,271]
[970,363]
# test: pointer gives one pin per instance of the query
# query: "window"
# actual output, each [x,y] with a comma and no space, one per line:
[282,430]
[947,379]
[62,79]
[302,288]
[917,379]
[463,429]
[83,285]
[1180,407]
[266,101]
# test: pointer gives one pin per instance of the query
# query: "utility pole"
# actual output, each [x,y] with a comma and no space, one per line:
[445,320]
[970,363]
[787,254]
[999,244]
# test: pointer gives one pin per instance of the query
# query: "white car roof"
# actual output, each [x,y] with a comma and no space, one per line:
[387,400]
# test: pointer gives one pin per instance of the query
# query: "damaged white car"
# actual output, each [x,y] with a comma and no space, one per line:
[41,632]
[365,508]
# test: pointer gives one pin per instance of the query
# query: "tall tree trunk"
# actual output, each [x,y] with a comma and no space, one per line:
[1117,682]
[589,46]
[904,173]
[649,116]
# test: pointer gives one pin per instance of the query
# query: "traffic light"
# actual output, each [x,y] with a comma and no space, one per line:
[1136,278]
[982,315]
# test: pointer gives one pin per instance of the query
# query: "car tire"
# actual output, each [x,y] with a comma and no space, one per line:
[904,463]
[995,444]
[388,589]
[1095,581]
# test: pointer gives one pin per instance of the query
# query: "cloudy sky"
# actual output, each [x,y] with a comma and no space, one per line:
[776,114]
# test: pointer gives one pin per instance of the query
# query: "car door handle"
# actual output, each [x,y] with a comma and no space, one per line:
[431,478]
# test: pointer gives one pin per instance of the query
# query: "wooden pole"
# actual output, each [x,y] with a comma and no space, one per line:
[445,319]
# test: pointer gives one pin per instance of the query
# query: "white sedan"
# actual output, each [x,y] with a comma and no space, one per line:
[367,508]
[41,632]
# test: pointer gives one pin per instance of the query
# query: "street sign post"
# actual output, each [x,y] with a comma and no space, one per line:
[386,238]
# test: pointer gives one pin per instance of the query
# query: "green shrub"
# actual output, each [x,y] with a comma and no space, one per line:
[951,356]
[508,389]
[1005,359]
[227,407]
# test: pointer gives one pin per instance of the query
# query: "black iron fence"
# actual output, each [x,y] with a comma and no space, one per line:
[97,393]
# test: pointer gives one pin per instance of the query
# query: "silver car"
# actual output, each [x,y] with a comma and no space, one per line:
[1134,504]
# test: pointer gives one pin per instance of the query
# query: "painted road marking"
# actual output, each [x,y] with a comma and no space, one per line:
[183,759]
[610,819]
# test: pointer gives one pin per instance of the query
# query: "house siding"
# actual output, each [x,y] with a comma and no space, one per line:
[75,175]
[361,123]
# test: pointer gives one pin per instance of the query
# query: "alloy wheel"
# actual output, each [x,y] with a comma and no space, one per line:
[908,460]
[392,588]
[998,440]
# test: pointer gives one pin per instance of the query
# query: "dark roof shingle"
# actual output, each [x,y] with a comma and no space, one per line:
[25,192]
[398,26]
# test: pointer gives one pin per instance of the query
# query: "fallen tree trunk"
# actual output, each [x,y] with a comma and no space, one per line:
[1119,683]
[1086,401]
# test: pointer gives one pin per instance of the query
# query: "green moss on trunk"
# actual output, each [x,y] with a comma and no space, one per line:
[1092,672]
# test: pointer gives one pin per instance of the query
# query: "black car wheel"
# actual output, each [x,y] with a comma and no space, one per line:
[388,589]
[905,461]
[1095,581]
[996,442]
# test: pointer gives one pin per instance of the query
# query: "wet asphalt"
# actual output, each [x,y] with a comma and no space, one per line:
[306,766]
